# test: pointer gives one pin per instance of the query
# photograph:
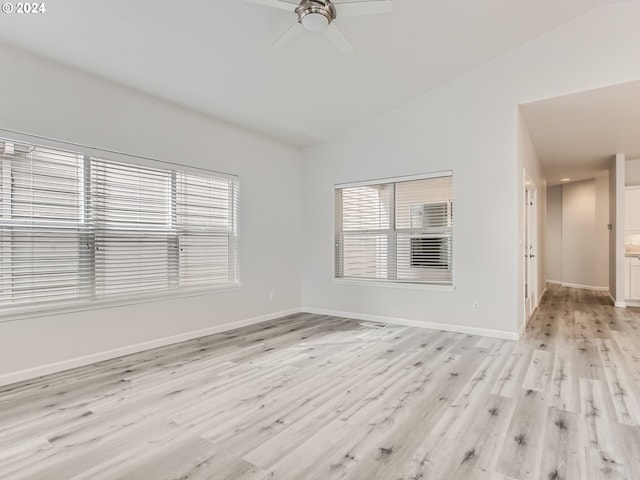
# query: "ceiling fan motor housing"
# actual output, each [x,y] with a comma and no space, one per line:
[313,13]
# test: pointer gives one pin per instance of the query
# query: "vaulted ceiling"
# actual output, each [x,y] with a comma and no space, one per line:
[216,56]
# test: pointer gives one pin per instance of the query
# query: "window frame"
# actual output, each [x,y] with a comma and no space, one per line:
[392,232]
[88,302]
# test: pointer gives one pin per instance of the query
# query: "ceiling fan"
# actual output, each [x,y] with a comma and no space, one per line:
[318,15]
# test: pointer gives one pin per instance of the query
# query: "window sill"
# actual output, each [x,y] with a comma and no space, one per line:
[18,313]
[401,285]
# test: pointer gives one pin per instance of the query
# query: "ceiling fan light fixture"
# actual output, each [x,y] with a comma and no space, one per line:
[315,21]
[315,15]
[318,15]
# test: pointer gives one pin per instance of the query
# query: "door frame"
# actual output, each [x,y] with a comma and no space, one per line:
[530,247]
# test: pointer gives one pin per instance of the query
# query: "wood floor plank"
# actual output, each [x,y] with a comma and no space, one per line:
[509,382]
[562,456]
[539,371]
[523,443]
[625,399]
[563,385]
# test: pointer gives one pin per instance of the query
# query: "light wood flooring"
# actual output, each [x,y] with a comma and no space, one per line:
[313,397]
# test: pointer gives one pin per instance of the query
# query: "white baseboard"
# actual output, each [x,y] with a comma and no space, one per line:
[575,285]
[39,371]
[523,327]
[613,300]
[542,294]
[586,287]
[415,323]
[629,303]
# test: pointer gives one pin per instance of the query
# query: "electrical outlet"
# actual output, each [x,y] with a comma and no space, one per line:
[272,295]
[476,306]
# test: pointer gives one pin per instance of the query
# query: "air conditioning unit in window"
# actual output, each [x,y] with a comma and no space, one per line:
[431,248]
[431,251]
[431,215]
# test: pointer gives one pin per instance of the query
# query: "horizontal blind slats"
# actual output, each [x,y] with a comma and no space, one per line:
[67,234]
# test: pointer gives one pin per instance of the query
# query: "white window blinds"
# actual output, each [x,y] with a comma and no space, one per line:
[400,231]
[207,233]
[42,235]
[78,228]
[131,211]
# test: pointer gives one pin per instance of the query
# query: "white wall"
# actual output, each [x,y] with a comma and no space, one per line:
[469,126]
[42,98]
[553,239]
[632,173]
[585,253]
[578,226]
[577,234]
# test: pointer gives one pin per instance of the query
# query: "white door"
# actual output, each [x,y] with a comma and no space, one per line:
[530,249]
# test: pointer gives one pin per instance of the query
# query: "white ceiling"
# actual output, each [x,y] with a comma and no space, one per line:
[215,56]
[576,136]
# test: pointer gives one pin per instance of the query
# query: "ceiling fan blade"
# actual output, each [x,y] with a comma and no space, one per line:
[336,37]
[276,4]
[353,9]
[289,35]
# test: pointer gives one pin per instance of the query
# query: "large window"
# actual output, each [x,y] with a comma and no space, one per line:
[397,230]
[77,228]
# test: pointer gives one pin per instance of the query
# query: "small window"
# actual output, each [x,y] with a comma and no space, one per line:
[396,230]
